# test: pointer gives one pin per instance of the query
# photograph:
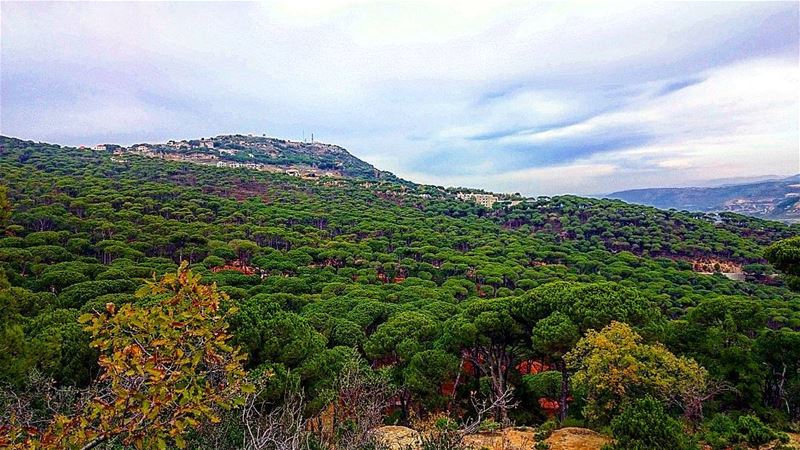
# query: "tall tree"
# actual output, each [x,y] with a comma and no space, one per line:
[554,336]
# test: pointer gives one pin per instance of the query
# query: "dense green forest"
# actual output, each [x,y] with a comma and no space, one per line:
[343,304]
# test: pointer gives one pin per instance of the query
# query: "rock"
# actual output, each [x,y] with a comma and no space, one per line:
[508,439]
[572,438]
[522,438]
[398,438]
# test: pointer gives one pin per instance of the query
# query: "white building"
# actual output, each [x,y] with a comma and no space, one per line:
[234,165]
[486,200]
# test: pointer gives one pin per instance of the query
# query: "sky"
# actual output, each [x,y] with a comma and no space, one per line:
[536,98]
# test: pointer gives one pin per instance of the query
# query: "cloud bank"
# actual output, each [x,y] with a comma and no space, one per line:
[537,99]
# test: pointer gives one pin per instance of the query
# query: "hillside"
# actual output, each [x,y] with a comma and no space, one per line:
[775,199]
[358,302]
[307,159]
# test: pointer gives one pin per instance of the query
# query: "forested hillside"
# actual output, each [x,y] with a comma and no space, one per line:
[352,303]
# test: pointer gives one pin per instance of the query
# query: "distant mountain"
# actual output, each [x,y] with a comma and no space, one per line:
[774,199]
[719,182]
[265,153]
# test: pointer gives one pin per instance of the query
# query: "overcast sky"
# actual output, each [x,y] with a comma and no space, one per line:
[540,99]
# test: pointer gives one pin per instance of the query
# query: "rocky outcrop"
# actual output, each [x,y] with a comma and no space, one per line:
[508,439]
[523,438]
[574,438]
[398,438]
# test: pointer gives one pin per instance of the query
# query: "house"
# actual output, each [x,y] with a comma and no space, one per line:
[231,164]
[486,200]
[150,153]
[202,157]
[106,147]
[178,144]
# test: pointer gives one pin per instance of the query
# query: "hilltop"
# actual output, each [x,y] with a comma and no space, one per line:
[773,199]
[306,159]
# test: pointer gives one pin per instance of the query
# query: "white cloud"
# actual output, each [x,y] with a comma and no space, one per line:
[552,180]
[741,120]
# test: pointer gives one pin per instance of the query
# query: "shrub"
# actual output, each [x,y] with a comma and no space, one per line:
[721,432]
[444,439]
[645,425]
[489,426]
[754,431]
[547,428]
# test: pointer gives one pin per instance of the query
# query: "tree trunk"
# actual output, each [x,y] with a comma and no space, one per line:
[455,385]
[562,411]
[405,400]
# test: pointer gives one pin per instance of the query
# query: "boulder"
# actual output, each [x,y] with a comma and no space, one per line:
[572,438]
[397,437]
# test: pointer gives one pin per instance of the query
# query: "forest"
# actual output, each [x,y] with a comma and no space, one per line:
[155,304]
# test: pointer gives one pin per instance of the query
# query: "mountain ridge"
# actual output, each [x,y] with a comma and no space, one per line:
[772,199]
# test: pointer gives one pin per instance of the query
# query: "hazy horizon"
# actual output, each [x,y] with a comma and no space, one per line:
[538,99]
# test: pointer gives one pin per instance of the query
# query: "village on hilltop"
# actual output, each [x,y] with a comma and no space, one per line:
[238,151]
[307,160]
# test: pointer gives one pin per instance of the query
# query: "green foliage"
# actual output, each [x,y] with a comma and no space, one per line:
[168,366]
[489,426]
[543,384]
[555,335]
[615,367]
[78,294]
[427,371]
[785,256]
[722,431]
[754,431]
[425,289]
[645,425]
[5,206]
